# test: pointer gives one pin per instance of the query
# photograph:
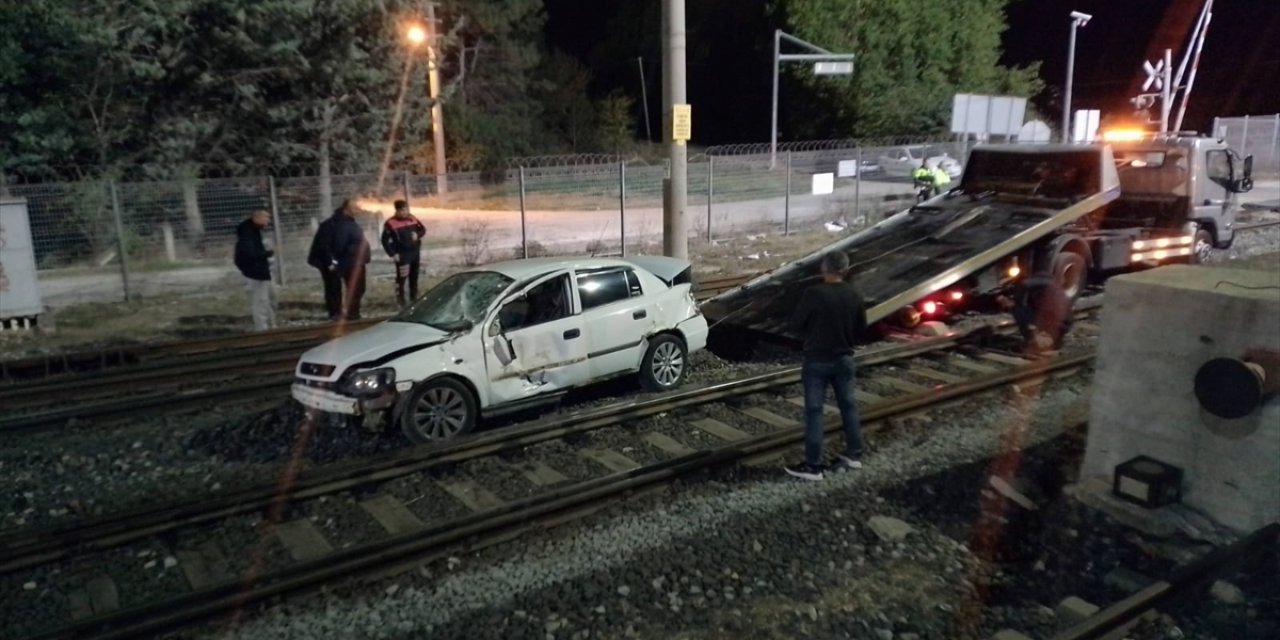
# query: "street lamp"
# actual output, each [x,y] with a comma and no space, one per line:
[1077,20]
[418,35]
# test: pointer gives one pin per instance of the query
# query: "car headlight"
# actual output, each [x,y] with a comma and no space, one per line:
[368,383]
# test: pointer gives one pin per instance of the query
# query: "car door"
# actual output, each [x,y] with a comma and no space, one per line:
[616,315]
[534,342]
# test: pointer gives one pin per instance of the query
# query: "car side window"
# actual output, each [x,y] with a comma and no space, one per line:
[544,303]
[603,287]
[633,284]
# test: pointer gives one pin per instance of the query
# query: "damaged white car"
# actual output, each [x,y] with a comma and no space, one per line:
[507,337]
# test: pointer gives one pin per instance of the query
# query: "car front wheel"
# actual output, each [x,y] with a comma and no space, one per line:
[437,410]
[665,363]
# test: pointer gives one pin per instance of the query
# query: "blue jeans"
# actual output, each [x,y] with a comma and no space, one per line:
[817,375]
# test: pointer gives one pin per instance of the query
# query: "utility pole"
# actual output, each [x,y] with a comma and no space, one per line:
[1077,20]
[644,99]
[676,121]
[824,63]
[437,110]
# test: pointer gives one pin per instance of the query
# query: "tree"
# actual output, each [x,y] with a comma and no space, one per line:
[568,112]
[615,128]
[911,58]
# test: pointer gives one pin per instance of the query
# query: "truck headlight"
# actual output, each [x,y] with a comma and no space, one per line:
[369,383]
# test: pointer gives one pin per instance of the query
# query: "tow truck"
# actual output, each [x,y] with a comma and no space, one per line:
[1079,213]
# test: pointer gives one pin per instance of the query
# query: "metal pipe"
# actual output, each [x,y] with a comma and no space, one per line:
[1071,69]
[773,119]
[622,208]
[120,243]
[786,203]
[711,176]
[524,236]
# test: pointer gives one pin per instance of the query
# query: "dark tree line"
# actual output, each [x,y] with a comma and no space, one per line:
[185,88]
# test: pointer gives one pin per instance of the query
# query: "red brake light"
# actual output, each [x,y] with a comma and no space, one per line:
[930,307]
[957,296]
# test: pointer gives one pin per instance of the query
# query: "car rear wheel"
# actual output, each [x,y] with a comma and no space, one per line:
[438,410]
[665,363]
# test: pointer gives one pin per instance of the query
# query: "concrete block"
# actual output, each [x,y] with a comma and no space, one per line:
[1158,328]
[1073,610]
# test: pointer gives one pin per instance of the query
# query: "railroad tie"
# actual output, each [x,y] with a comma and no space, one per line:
[610,459]
[203,566]
[770,418]
[903,385]
[392,514]
[1005,359]
[970,365]
[540,474]
[940,376]
[472,495]
[667,444]
[719,430]
[98,596]
[866,397]
[303,540]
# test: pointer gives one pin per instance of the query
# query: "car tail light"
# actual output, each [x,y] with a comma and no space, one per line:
[957,296]
[930,308]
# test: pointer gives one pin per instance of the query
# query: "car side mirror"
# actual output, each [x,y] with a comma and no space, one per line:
[1245,183]
[503,350]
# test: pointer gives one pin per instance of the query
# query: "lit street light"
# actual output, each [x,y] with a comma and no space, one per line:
[417,35]
[1077,20]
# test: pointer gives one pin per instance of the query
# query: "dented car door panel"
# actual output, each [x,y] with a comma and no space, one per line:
[546,352]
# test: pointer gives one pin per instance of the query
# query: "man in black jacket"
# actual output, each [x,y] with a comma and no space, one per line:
[402,240]
[253,259]
[831,316]
[349,253]
[321,257]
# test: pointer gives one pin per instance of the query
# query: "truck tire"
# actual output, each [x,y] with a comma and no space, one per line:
[1201,246]
[1071,272]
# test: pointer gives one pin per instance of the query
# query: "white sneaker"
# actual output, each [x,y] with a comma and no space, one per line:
[847,462]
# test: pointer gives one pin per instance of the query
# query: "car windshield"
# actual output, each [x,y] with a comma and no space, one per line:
[459,302]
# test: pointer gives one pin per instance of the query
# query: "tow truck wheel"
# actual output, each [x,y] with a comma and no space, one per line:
[1201,246]
[437,410]
[1070,271]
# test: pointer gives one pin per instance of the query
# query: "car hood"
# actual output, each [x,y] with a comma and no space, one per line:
[370,347]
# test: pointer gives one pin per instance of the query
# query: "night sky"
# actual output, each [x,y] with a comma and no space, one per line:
[1239,71]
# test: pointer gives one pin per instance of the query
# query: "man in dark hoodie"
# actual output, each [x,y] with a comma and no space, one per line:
[349,251]
[321,257]
[253,259]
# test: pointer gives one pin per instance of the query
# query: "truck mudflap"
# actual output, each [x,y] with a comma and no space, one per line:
[912,254]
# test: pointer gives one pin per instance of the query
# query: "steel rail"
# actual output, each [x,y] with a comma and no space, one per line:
[1184,580]
[30,548]
[496,524]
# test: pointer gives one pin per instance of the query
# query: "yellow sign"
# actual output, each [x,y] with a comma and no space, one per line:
[681,123]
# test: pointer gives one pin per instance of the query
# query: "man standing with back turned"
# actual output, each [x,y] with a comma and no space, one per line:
[831,316]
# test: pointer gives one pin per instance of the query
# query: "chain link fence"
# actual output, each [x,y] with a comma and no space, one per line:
[1258,136]
[98,240]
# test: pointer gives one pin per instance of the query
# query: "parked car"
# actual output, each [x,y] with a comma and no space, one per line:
[507,337]
[899,162]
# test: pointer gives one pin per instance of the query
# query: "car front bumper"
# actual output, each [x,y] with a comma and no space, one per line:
[325,400]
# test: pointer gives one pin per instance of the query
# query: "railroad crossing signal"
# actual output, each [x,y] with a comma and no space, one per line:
[1155,75]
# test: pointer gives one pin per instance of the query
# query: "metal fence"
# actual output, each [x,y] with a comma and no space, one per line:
[1258,136]
[103,241]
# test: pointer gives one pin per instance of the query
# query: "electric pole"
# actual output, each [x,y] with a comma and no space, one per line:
[676,125]
[437,110]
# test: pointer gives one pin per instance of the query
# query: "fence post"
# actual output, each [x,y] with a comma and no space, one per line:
[405,182]
[524,238]
[1244,138]
[622,206]
[120,244]
[711,176]
[275,226]
[857,189]
[1275,138]
[786,204]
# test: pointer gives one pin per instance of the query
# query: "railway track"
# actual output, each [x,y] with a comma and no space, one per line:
[160,361]
[242,547]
